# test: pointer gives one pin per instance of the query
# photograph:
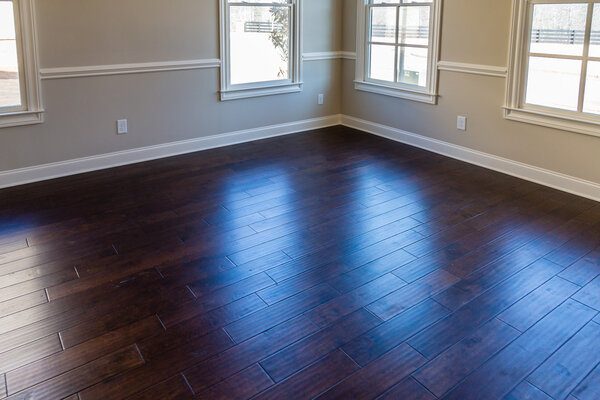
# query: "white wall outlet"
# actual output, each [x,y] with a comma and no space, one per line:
[461,123]
[321,99]
[122,127]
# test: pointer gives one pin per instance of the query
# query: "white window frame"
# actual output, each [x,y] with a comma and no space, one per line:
[257,89]
[362,81]
[516,109]
[31,110]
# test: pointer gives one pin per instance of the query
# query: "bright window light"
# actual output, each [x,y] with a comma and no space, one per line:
[562,69]
[10,87]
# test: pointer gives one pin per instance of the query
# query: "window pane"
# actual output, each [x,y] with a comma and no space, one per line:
[595,38]
[414,25]
[260,44]
[260,1]
[383,24]
[382,62]
[10,90]
[553,82]
[412,66]
[591,103]
[399,1]
[558,29]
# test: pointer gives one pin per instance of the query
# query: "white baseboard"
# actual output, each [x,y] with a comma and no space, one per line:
[531,173]
[71,167]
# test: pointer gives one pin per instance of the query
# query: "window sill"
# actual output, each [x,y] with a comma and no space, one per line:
[20,118]
[243,93]
[429,98]
[556,121]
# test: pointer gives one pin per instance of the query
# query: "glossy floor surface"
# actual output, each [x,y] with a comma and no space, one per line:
[329,264]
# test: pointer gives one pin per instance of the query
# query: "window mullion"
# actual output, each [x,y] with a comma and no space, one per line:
[586,54]
[396,46]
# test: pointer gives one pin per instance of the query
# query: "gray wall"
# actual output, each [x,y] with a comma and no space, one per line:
[161,107]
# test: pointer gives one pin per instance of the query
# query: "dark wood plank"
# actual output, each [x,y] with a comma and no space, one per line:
[408,389]
[590,294]
[31,352]
[526,391]
[32,285]
[304,352]
[215,317]
[243,385]
[584,270]
[243,355]
[22,303]
[175,388]
[576,248]
[390,334]
[84,376]
[533,307]
[345,304]
[3,393]
[59,363]
[452,366]
[497,377]
[379,376]
[456,326]
[8,247]
[265,319]
[589,388]
[163,366]
[561,373]
[396,302]
[314,379]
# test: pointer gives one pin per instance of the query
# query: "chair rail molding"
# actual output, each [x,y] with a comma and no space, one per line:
[475,69]
[329,55]
[162,66]
[123,69]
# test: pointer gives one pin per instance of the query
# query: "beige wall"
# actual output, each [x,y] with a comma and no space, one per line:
[161,107]
[473,31]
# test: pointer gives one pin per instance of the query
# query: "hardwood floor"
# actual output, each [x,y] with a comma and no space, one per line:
[331,264]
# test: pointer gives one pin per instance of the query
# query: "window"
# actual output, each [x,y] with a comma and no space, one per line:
[555,65]
[260,48]
[19,81]
[397,48]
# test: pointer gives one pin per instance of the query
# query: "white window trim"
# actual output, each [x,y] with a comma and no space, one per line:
[410,92]
[292,85]
[32,111]
[515,93]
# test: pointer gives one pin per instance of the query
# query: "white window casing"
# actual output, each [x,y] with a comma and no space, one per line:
[230,91]
[30,111]
[428,92]
[516,108]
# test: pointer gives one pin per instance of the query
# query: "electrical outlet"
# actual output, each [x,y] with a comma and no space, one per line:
[321,99]
[122,127]
[461,123]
